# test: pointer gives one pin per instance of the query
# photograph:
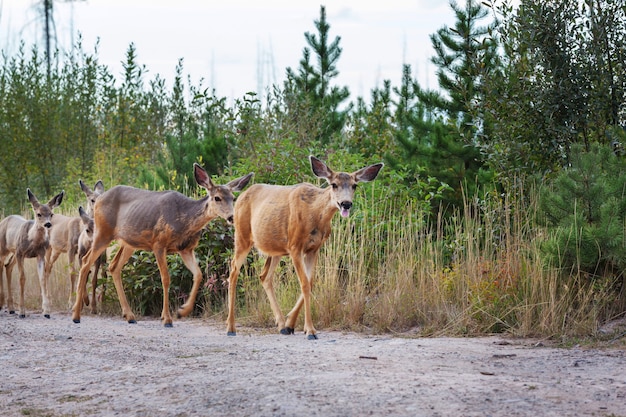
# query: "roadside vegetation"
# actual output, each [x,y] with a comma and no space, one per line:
[501,207]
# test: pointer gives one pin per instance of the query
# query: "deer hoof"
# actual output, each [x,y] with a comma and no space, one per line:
[168,325]
[312,337]
[76,321]
[231,333]
[11,311]
[287,331]
[47,316]
[22,316]
[133,321]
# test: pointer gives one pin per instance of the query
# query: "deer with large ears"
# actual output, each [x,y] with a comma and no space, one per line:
[162,222]
[84,244]
[86,237]
[64,238]
[290,221]
[20,239]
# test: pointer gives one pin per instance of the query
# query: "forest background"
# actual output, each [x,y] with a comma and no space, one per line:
[501,207]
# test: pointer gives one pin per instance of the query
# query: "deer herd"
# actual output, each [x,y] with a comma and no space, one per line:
[277,220]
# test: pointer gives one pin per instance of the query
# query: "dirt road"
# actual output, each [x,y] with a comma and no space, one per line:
[105,367]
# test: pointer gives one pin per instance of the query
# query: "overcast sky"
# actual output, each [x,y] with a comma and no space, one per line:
[238,46]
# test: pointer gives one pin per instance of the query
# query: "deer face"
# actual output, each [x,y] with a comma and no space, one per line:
[88,223]
[343,184]
[221,203]
[92,195]
[43,212]
[221,198]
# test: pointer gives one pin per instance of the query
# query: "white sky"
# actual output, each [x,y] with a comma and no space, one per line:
[237,46]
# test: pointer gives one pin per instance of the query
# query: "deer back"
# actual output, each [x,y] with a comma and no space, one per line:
[64,232]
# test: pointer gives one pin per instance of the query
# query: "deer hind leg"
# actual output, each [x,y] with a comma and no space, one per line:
[9,271]
[94,284]
[305,268]
[118,262]
[50,258]
[267,280]
[71,257]
[161,258]
[189,258]
[241,252]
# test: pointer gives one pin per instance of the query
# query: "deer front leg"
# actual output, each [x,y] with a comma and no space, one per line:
[235,266]
[20,269]
[161,258]
[2,268]
[304,266]
[267,280]
[118,262]
[43,284]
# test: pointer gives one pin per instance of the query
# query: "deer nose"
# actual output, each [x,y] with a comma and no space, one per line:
[346,205]
[230,219]
[48,225]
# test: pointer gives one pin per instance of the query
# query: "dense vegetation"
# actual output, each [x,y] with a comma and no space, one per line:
[501,208]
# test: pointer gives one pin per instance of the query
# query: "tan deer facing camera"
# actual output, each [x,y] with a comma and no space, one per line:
[290,221]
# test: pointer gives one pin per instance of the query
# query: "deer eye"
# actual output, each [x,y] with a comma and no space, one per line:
[334,185]
[354,186]
[38,214]
[218,199]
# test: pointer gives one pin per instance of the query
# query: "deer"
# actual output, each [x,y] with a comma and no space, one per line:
[64,238]
[292,221]
[84,243]
[20,239]
[86,236]
[159,221]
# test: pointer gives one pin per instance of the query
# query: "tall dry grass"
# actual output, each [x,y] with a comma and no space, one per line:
[388,269]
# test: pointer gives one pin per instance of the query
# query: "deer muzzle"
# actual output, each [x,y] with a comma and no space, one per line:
[345,207]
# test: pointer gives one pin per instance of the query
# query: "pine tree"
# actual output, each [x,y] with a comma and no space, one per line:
[312,84]
[463,54]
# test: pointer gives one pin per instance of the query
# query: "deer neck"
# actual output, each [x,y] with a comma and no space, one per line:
[37,235]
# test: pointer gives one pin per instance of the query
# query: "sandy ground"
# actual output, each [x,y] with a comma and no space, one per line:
[105,366]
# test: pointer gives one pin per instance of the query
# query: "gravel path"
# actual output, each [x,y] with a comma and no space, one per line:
[106,367]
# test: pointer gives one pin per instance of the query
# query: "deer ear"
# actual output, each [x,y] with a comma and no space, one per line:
[319,168]
[240,183]
[368,173]
[31,197]
[56,200]
[83,187]
[83,215]
[99,187]
[202,178]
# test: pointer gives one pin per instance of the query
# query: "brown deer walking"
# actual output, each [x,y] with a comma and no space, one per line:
[162,222]
[290,221]
[21,238]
